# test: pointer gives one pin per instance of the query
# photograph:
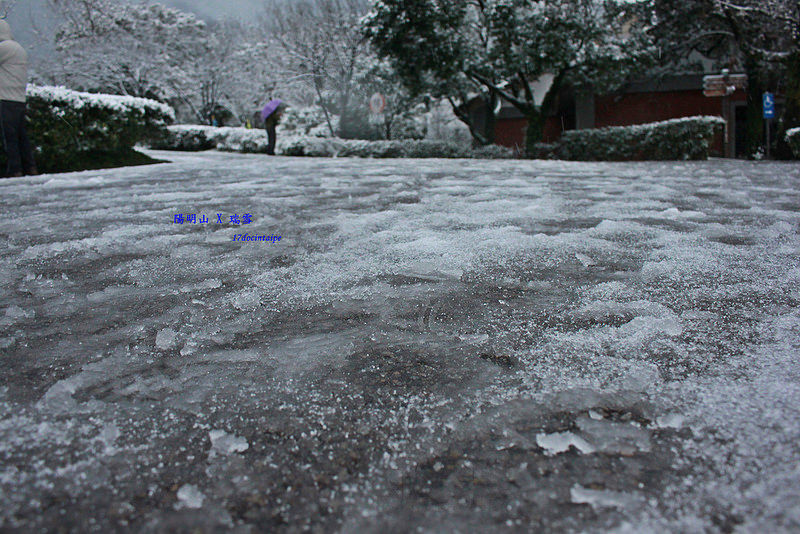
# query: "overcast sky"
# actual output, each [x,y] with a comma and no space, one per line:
[29,15]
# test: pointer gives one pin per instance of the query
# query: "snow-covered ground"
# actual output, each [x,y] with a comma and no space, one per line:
[441,345]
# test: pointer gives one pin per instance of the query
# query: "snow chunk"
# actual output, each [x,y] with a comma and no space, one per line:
[59,396]
[15,312]
[585,260]
[246,300]
[165,339]
[224,444]
[675,213]
[189,497]
[640,376]
[210,283]
[614,437]
[559,442]
[670,420]
[108,437]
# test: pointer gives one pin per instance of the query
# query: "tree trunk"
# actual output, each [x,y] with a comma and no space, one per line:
[459,110]
[318,88]
[754,120]
[534,131]
[536,118]
[491,118]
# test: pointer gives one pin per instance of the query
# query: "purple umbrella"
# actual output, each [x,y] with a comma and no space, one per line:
[270,108]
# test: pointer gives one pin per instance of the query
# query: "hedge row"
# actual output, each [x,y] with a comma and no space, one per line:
[793,138]
[196,137]
[193,137]
[71,130]
[406,148]
[677,139]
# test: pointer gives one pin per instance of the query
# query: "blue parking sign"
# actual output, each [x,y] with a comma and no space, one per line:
[768,102]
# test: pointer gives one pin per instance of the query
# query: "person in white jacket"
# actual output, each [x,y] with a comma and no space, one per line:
[13,82]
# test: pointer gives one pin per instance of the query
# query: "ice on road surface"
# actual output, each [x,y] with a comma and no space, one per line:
[432,345]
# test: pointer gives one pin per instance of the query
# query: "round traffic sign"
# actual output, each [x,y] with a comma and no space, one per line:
[377,102]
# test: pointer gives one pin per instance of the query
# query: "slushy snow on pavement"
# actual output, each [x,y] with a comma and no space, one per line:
[432,344]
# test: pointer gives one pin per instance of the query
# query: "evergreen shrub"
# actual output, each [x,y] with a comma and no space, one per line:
[191,137]
[677,139]
[309,146]
[306,121]
[73,131]
[545,151]
[406,148]
[195,137]
[793,138]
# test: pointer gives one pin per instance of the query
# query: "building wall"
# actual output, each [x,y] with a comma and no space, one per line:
[624,110]
[510,132]
[640,108]
[554,127]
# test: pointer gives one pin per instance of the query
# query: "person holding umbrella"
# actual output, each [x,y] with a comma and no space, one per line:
[271,114]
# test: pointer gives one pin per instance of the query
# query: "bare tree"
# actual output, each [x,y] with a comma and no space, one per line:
[5,7]
[322,48]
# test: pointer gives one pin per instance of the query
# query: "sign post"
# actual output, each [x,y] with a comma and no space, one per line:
[768,105]
[723,85]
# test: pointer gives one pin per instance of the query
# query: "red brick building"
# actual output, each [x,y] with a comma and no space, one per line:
[637,103]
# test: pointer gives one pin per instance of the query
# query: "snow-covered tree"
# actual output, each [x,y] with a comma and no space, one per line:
[132,49]
[321,48]
[507,47]
[253,73]
[224,75]
[760,37]
[5,7]
[401,114]
[429,45]
[143,49]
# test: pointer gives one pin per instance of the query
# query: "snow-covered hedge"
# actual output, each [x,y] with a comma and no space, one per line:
[306,121]
[406,148]
[72,130]
[194,137]
[197,137]
[793,138]
[688,138]
[61,96]
[300,145]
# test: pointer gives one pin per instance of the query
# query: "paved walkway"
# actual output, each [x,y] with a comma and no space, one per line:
[467,345]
